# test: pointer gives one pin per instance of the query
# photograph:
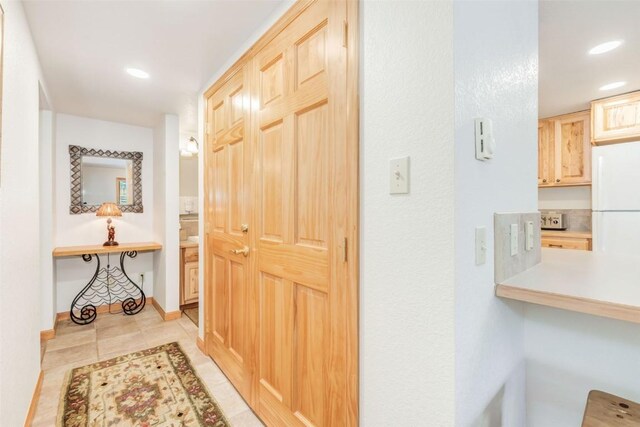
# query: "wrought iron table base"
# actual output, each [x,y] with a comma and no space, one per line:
[107,286]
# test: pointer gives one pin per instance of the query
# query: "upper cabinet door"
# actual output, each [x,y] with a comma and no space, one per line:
[616,119]
[545,153]
[572,149]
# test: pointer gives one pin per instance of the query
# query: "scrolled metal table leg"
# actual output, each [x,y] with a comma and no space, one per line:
[88,311]
[132,305]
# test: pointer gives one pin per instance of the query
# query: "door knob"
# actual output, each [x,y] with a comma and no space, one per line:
[244,251]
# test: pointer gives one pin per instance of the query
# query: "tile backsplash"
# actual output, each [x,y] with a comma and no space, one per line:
[577,219]
[506,265]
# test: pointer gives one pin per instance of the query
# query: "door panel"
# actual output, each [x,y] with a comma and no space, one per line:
[311,197]
[229,325]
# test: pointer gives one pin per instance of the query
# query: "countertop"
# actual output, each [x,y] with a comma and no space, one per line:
[582,281]
[188,244]
[64,251]
[566,233]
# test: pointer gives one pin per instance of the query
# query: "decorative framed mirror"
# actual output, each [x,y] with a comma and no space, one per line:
[99,176]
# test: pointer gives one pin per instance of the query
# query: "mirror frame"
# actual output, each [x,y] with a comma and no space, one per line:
[75,156]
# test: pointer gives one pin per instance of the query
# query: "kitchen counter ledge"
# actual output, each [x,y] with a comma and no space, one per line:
[582,281]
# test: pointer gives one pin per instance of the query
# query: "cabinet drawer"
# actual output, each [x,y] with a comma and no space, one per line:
[566,243]
[190,254]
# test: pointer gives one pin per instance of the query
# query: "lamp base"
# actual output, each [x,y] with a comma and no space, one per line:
[110,243]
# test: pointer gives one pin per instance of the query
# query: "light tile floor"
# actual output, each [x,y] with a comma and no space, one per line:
[111,335]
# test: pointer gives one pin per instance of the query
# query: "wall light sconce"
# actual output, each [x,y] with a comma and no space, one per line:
[192,147]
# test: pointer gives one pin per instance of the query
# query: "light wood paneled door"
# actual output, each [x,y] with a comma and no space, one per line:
[229,324]
[297,361]
[301,186]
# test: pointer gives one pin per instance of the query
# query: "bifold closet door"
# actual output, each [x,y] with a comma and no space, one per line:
[301,181]
[229,315]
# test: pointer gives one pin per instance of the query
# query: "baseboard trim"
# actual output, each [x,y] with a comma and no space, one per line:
[34,401]
[101,309]
[48,334]
[170,315]
[173,315]
[200,344]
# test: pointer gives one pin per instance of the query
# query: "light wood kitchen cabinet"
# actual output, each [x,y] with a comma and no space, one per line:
[189,282]
[616,119]
[564,150]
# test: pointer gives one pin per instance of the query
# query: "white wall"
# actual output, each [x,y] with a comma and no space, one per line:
[88,229]
[564,198]
[569,354]
[407,269]
[167,225]
[47,218]
[20,292]
[189,176]
[496,63]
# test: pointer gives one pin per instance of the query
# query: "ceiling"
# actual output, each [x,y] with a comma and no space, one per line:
[569,77]
[84,47]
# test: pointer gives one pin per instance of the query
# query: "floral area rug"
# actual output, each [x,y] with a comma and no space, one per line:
[154,387]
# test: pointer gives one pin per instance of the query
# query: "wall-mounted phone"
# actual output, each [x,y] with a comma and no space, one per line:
[485,144]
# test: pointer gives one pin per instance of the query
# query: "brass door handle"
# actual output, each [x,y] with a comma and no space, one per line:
[244,251]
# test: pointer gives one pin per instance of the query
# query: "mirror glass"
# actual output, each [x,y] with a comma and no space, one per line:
[106,180]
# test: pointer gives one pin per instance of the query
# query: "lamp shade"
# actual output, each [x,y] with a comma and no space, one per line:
[109,209]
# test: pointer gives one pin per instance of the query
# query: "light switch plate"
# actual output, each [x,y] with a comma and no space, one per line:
[481,245]
[399,176]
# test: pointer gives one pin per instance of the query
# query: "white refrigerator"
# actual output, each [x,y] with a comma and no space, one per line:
[615,198]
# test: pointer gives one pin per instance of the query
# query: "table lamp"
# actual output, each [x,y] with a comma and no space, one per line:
[109,209]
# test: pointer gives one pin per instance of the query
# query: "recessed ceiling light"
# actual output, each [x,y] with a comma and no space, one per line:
[605,47]
[613,85]
[135,72]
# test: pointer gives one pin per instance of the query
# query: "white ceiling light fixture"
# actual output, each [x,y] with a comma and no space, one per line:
[605,47]
[613,85]
[136,72]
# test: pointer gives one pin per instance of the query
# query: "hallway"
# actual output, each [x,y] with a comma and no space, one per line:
[112,335]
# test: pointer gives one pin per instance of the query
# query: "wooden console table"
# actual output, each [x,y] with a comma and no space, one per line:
[109,284]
